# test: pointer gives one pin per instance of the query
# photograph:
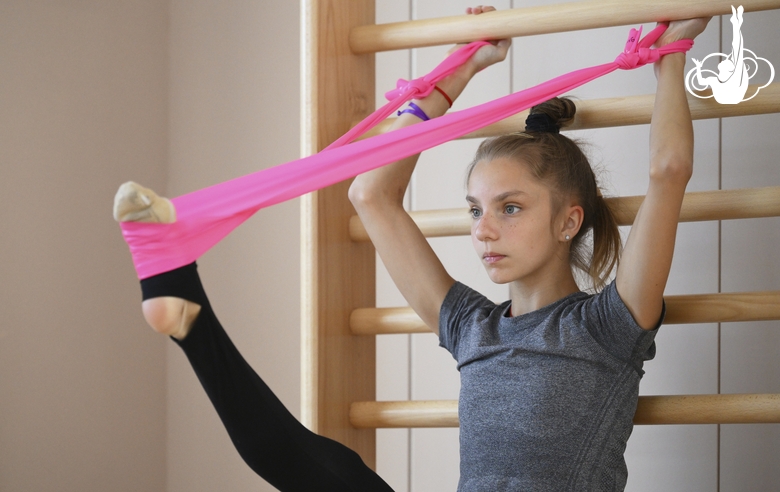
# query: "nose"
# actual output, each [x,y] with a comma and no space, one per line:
[484,228]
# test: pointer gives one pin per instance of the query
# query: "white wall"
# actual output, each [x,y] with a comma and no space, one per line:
[734,256]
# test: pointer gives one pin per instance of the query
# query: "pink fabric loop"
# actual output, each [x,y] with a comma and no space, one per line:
[417,88]
[206,216]
[400,94]
[423,86]
[642,56]
[638,53]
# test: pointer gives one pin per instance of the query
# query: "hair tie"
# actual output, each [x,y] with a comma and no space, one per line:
[415,110]
[541,123]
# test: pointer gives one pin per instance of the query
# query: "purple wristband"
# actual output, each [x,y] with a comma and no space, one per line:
[415,110]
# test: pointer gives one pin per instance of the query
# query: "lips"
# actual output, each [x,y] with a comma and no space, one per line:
[492,257]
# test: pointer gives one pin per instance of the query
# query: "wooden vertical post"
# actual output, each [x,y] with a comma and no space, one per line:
[337,274]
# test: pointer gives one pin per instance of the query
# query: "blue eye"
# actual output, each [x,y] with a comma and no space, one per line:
[511,209]
[475,213]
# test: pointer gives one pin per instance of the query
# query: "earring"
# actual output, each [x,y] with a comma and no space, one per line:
[567,237]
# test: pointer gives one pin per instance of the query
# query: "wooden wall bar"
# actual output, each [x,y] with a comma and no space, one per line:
[337,275]
[697,206]
[631,110]
[574,16]
[681,309]
[338,266]
[677,409]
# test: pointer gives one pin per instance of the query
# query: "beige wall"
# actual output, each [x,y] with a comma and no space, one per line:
[83,107]
[176,95]
[234,109]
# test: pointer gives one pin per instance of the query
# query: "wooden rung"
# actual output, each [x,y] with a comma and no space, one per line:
[390,414]
[678,409]
[700,308]
[708,409]
[573,16]
[386,321]
[632,110]
[722,308]
[746,203]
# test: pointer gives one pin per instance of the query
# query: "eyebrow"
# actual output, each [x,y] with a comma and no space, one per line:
[498,198]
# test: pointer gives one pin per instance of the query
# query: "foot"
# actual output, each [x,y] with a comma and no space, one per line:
[134,203]
[170,316]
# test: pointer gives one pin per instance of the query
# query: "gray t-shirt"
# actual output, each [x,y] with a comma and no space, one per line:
[547,398]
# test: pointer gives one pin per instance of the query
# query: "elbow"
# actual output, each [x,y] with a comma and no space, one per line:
[357,194]
[673,169]
[361,193]
[365,194]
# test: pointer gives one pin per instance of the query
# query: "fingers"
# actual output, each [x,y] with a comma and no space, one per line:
[503,45]
[488,55]
[683,29]
[479,9]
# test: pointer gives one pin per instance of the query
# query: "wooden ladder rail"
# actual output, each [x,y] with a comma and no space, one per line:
[337,274]
[745,203]
[572,16]
[657,410]
[680,309]
[631,110]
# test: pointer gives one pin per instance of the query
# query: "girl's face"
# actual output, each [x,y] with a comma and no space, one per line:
[513,228]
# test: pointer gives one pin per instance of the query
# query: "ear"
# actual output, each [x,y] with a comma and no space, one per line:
[572,217]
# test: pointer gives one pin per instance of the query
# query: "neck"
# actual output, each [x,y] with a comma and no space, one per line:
[528,295]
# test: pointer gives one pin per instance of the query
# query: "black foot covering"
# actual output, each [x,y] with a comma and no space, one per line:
[267,436]
[183,282]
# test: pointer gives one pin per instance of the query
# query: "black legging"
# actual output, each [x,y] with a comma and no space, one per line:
[267,436]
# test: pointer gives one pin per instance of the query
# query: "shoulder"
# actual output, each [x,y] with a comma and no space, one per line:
[609,321]
[608,307]
[464,307]
[462,302]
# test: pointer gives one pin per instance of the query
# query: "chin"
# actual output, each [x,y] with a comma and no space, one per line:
[498,277]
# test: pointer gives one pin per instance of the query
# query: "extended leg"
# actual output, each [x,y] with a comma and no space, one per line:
[267,436]
[271,441]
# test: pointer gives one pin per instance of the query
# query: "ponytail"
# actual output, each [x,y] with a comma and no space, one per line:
[607,244]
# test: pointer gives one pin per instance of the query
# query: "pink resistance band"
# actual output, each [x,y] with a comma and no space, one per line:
[206,216]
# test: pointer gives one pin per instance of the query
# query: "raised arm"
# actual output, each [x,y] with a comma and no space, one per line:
[378,199]
[647,257]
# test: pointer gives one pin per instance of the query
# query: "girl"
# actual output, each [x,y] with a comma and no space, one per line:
[549,379]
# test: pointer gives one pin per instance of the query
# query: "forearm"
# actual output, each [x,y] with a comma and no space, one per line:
[671,130]
[647,256]
[378,199]
[387,184]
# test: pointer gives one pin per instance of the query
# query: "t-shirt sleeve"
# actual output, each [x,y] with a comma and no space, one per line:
[614,328]
[462,307]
